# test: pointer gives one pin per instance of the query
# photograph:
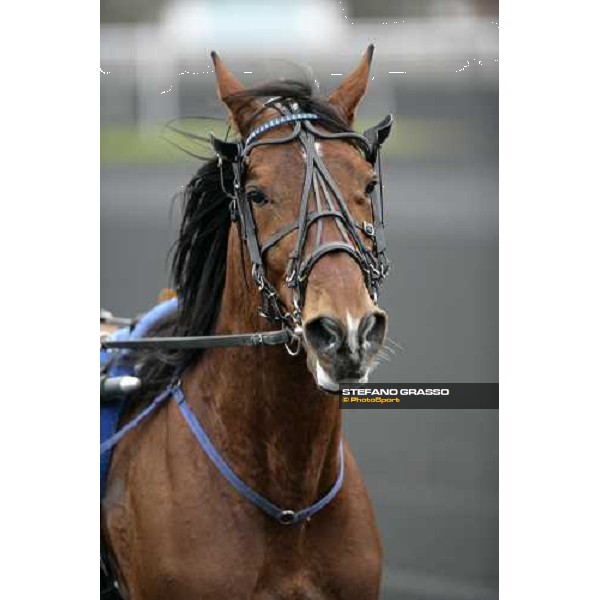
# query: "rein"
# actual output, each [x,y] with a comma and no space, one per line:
[269,338]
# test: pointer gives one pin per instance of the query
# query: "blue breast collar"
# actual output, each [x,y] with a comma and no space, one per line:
[281,515]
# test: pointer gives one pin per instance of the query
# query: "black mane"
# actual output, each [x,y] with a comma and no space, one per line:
[200,253]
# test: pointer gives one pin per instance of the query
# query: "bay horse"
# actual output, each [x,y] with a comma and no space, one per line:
[284,219]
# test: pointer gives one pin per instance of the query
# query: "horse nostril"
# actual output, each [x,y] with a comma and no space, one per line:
[371,331]
[324,334]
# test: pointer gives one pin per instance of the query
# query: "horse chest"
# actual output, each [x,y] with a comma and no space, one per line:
[292,588]
[236,560]
[184,533]
[253,576]
[312,585]
[235,581]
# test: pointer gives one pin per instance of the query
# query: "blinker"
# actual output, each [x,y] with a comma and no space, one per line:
[229,151]
[377,134]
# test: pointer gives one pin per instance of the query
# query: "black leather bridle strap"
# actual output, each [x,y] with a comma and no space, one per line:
[361,140]
[370,142]
[250,232]
[319,211]
[324,249]
[347,217]
[366,228]
[273,141]
[269,338]
[377,209]
[319,186]
[308,143]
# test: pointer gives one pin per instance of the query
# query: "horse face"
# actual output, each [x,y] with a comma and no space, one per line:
[343,329]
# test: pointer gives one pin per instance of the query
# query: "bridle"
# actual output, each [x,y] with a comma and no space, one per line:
[330,204]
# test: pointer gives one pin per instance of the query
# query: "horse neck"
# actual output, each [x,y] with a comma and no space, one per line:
[261,406]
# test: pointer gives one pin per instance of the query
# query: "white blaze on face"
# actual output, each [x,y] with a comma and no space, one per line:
[352,326]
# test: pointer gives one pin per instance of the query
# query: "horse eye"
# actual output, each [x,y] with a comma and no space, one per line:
[256,197]
[370,187]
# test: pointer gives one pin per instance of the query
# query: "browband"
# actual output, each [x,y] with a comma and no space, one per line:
[280,121]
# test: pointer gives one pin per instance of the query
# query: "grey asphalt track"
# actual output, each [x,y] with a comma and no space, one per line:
[432,475]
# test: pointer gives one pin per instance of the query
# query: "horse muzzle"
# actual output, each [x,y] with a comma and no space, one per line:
[343,350]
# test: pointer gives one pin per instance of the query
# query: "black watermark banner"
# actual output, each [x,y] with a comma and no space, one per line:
[418,395]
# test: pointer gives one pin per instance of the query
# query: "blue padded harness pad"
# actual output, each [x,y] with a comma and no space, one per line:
[117,364]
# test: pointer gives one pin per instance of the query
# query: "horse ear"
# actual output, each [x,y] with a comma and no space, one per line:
[241,108]
[350,92]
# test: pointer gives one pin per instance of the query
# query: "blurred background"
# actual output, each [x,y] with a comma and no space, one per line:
[432,475]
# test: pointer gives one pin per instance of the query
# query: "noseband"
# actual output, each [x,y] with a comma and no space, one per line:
[330,204]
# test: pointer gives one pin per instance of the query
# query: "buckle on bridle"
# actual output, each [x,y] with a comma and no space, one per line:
[291,276]
[369,228]
[296,335]
[291,350]
[258,277]
[233,210]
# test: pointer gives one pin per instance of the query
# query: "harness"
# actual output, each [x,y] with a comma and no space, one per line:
[121,364]
[330,204]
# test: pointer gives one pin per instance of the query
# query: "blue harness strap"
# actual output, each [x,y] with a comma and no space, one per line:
[111,442]
[284,516]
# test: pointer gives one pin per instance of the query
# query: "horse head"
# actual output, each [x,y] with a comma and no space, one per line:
[306,190]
